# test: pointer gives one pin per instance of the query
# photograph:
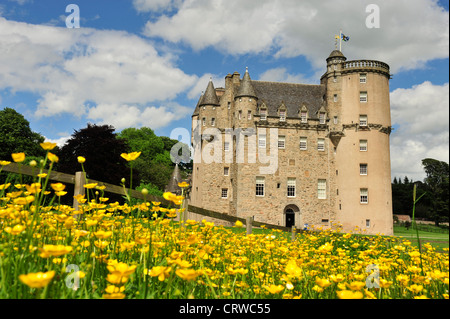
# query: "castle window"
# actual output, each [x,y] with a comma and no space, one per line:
[224,192]
[363,120]
[226,146]
[322,189]
[362,78]
[262,141]
[321,144]
[362,169]
[263,114]
[213,121]
[335,120]
[226,171]
[229,105]
[335,98]
[303,143]
[281,141]
[291,187]
[363,97]
[249,115]
[334,79]
[322,118]
[282,116]
[239,115]
[367,223]
[363,145]
[304,116]
[259,186]
[364,195]
[204,121]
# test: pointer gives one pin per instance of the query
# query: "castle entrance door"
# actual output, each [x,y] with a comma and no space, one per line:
[291,215]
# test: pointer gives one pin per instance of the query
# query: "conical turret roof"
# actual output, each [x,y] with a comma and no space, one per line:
[246,87]
[210,96]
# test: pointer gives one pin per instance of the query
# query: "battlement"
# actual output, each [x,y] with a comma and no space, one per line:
[365,65]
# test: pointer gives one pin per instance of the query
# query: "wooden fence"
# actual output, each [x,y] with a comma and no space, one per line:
[79,181]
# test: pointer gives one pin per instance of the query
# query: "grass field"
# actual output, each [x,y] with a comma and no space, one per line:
[437,240]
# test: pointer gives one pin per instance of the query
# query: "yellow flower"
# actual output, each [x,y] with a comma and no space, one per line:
[356,285]
[325,248]
[322,282]
[160,271]
[60,193]
[37,280]
[57,187]
[239,223]
[183,184]
[348,294]
[48,146]
[4,186]
[34,188]
[111,289]
[347,235]
[54,250]
[52,157]
[81,159]
[121,269]
[292,269]
[130,156]
[42,175]
[103,234]
[186,274]
[415,288]
[90,185]
[384,283]
[337,278]
[118,295]
[80,233]
[4,163]
[24,200]
[15,230]
[274,289]
[169,196]
[18,157]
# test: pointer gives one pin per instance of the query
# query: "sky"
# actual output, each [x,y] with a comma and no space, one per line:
[135,63]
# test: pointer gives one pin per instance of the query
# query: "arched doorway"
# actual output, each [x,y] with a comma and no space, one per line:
[290,217]
[290,213]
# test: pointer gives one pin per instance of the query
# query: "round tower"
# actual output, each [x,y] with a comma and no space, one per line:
[360,125]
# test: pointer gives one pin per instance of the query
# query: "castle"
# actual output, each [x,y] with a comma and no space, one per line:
[295,154]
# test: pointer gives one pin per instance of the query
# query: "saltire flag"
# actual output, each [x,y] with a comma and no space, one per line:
[345,38]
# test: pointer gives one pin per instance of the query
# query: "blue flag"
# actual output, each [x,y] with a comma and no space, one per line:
[345,38]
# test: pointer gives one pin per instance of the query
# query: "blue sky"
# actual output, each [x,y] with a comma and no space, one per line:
[146,62]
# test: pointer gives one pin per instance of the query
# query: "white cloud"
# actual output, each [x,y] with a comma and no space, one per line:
[81,71]
[422,114]
[59,141]
[291,28]
[281,75]
[202,83]
[122,115]
[155,5]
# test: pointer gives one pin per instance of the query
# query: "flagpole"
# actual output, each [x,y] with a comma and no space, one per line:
[340,40]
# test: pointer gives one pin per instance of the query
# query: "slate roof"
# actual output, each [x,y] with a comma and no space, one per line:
[210,96]
[293,95]
[246,88]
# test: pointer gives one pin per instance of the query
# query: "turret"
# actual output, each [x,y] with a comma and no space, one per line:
[245,102]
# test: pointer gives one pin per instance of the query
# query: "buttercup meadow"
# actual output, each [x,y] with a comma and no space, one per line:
[109,250]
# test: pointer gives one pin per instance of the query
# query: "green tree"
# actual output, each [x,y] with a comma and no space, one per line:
[437,183]
[142,140]
[17,136]
[101,149]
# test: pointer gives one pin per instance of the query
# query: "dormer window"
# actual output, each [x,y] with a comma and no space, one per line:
[263,114]
[304,116]
[282,115]
[321,118]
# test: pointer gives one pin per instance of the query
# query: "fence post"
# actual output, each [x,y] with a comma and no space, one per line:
[78,189]
[249,225]
[293,233]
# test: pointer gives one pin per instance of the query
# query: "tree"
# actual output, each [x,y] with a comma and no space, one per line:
[101,149]
[437,183]
[17,136]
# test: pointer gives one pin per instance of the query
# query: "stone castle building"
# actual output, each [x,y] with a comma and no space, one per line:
[295,154]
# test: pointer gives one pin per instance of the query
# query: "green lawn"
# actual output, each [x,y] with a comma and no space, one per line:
[438,240]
